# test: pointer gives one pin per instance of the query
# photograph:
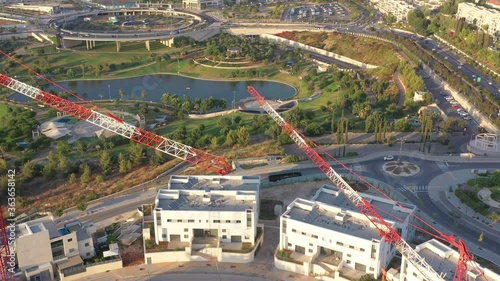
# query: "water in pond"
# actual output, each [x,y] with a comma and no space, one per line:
[156,85]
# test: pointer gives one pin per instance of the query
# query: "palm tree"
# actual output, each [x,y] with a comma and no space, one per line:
[165,98]
[122,93]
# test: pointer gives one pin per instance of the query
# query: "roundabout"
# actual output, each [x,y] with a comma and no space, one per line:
[401,168]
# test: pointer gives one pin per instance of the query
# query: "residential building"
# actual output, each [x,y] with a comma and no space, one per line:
[443,260]
[479,15]
[397,8]
[419,96]
[41,245]
[328,232]
[201,4]
[198,212]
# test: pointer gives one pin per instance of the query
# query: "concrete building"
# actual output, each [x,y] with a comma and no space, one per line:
[397,8]
[209,213]
[493,3]
[41,246]
[201,4]
[481,15]
[42,9]
[328,233]
[444,261]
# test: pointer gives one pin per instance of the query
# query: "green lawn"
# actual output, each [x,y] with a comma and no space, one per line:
[3,110]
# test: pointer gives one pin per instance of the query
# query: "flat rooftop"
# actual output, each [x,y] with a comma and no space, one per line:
[440,257]
[208,193]
[331,195]
[208,183]
[332,218]
[38,225]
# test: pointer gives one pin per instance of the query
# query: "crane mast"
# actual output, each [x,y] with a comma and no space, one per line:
[5,270]
[385,229]
[112,123]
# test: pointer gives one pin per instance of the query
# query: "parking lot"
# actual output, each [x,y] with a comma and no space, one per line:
[322,13]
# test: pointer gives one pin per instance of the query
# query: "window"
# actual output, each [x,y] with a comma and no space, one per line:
[361,249]
[371,268]
[186,236]
[179,220]
[169,220]
[315,236]
[238,221]
[289,244]
[216,221]
[310,244]
[224,236]
[87,244]
[228,221]
[164,236]
[223,230]
[351,247]
[191,221]
[348,255]
[186,229]
[339,243]
[247,237]
[294,230]
[87,254]
[70,239]
[348,262]
[71,250]
[414,274]
[310,251]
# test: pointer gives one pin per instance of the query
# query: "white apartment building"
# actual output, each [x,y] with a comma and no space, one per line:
[201,4]
[41,246]
[207,210]
[43,9]
[397,8]
[329,231]
[482,15]
[442,259]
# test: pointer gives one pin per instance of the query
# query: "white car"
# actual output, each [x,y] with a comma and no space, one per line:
[388,158]
[463,113]
[490,83]
[448,98]
[467,118]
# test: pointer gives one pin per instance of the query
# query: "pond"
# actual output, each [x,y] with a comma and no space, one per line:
[155,85]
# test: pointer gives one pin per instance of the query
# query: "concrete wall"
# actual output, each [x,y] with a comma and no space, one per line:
[91,270]
[37,37]
[319,51]
[172,256]
[303,269]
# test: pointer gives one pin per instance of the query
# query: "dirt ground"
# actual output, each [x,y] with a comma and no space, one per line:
[133,254]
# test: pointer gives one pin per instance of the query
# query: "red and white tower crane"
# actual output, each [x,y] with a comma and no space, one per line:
[112,123]
[385,229]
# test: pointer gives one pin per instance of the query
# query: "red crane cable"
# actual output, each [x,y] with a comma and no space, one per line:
[50,81]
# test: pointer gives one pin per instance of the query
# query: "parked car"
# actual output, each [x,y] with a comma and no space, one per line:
[467,118]
[456,106]
[388,158]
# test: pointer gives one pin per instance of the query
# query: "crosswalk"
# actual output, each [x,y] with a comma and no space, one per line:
[443,166]
[413,188]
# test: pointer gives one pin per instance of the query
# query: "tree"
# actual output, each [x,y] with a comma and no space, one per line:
[136,154]
[402,125]
[231,138]
[82,206]
[63,147]
[3,166]
[122,162]
[87,173]
[72,178]
[121,92]
[105,161]
[63,163]
[165,98]
[243,136]
[28,170]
